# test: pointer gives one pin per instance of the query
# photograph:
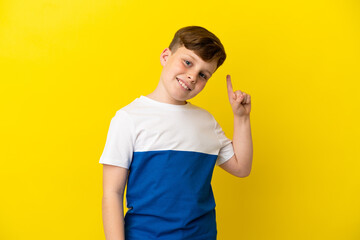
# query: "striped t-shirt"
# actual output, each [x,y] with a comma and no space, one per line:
[170,151]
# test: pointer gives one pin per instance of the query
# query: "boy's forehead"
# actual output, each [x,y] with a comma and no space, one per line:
[189,52]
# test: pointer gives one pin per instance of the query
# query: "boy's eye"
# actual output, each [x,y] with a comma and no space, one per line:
[203,75]
[187,62]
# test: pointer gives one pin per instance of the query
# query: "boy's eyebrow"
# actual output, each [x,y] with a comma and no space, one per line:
[195,60]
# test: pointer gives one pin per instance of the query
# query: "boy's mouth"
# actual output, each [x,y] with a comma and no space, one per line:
[183,84]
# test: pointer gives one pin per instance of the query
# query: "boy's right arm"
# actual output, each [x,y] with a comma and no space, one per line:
[114,180]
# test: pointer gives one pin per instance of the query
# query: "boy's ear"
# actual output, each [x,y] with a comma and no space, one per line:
[164,56]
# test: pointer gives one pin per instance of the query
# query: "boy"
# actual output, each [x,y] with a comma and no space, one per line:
[165,148]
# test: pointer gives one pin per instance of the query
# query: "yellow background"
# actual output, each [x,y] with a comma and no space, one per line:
[67,66]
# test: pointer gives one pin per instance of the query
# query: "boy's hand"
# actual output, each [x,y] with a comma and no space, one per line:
[240,101]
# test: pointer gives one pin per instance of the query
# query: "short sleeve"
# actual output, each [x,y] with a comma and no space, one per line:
[119,144]
[226,147]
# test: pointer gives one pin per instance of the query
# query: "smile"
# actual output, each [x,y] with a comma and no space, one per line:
[183,84]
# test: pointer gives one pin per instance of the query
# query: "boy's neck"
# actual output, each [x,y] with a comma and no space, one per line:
[156,97]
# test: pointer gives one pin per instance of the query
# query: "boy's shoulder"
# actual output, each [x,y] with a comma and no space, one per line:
[144,102]
[149,107]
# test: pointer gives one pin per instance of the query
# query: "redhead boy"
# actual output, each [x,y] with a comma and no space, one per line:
[165,149]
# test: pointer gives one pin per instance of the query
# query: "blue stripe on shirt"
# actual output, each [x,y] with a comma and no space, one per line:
[170,196]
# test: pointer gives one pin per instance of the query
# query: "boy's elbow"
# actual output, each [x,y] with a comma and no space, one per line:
[243,174]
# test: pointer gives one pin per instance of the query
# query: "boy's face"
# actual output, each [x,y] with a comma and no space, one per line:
[184,74]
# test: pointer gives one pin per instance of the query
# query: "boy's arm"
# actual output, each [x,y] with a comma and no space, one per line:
[114,180]
[240,164]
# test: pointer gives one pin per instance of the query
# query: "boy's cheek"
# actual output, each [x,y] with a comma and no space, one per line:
[179,66]
[200,88]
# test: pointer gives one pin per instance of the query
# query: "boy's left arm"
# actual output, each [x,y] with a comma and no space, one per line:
[240,164]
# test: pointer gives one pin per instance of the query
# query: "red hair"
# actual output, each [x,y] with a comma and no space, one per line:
[204,43]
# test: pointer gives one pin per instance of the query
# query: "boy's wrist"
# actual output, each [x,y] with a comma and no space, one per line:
[242,119]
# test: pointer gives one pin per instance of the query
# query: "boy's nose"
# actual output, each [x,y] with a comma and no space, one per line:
[191,77]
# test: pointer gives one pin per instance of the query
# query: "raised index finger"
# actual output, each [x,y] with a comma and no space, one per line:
[229,86]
